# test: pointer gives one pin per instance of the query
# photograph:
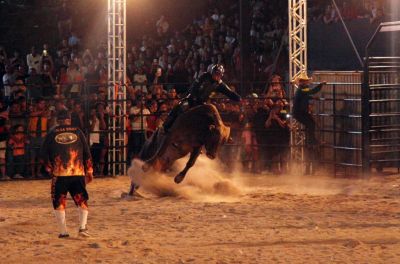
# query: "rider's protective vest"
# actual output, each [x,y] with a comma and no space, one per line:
[203,87]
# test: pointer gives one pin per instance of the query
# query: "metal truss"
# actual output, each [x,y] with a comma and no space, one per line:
[297,37]
[116,39]
[297,64]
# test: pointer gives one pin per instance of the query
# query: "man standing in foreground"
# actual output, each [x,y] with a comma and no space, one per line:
[66,156]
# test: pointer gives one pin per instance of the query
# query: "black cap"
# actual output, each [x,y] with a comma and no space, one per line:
[63,114]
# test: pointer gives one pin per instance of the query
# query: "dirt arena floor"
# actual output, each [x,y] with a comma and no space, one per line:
[210,219]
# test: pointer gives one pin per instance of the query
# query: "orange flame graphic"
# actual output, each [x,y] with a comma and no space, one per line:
[74,166]
[89,166]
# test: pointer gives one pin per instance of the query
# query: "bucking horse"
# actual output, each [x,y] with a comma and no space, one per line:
[197,127]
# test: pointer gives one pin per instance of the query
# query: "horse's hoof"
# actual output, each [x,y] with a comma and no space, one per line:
[179,178]
[132,196]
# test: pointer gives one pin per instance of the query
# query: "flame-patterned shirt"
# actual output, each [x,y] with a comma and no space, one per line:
[65,152]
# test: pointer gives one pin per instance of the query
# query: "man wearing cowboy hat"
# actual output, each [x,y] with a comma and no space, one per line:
[301,111]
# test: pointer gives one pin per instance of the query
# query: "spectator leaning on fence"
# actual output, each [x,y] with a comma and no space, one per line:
[138,118]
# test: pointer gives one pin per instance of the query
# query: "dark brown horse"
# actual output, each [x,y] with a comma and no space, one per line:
[198,127]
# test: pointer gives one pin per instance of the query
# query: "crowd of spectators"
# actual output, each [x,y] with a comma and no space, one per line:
[160,68]
[373,10]
[260,130]
[267,33]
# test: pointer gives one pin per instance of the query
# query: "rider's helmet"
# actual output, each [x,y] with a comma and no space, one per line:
[217,69]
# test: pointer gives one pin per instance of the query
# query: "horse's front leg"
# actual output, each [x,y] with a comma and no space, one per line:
[193,157]
[133,189]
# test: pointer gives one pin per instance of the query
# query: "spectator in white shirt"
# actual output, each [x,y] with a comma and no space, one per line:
[138,120]
[9,79]
[140,81]
[34,60]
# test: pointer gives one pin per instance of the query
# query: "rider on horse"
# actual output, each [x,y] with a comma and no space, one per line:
[200,91]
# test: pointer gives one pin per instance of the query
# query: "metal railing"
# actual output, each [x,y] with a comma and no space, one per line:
[338,114]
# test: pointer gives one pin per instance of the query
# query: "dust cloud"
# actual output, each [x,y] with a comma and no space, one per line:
[205,181]
[208,181]
[321,183]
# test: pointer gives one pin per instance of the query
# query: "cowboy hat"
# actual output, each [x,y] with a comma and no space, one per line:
[303,77]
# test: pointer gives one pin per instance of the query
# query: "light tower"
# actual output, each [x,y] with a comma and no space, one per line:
[297,38]
[297,62]
[116,63]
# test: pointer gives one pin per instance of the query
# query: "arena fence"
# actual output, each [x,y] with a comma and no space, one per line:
[382,113]
[337,110]
[338,114]
[380,97]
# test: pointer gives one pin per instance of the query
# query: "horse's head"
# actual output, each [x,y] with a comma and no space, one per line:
[217,136]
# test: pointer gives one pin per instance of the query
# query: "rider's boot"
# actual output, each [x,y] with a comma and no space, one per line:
[172,116]
[169,121]
[167,124]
